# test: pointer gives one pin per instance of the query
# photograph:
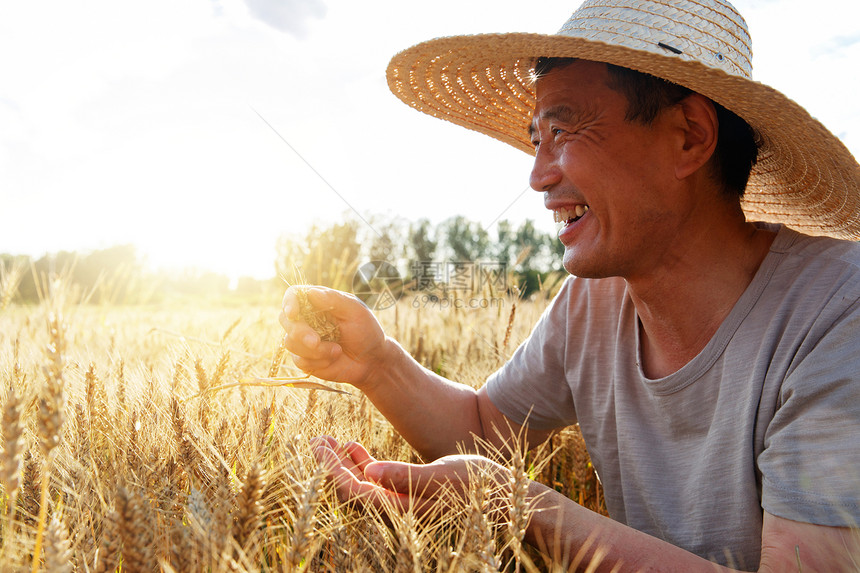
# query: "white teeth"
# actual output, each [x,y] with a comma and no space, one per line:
[565,214]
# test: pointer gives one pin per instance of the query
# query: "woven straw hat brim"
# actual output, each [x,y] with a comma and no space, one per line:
[805,176]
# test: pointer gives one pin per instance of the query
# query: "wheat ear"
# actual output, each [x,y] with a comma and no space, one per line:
[317,319]
[249,508]
[519,510]
[135,531]
[58,552]
[305,520]
[10,278]
[51,418]
[510,326]
[408,558]
[479,529]
[12,461]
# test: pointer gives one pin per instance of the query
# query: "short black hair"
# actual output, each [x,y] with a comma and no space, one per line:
[737,146]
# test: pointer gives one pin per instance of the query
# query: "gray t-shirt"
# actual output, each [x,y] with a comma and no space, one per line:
[767,415]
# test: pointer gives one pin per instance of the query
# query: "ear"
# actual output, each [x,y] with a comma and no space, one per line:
[700,128]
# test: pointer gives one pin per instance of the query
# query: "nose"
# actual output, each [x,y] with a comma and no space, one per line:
[545,172]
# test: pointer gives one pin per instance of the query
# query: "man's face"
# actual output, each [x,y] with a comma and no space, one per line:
[609,181]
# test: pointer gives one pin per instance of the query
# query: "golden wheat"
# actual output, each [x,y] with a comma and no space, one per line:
[115,454]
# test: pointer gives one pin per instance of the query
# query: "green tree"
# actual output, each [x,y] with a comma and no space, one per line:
[53,264]
[466,240]
[325,256]
[422,241]
[530,244]
[109,274]
[555,250]
[421,252]
[505,242]
[387,240]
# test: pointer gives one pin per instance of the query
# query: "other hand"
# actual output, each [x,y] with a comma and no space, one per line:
[426,489]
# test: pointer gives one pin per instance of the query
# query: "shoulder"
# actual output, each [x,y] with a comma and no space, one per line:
[818,251]
[581,308]
[805,268]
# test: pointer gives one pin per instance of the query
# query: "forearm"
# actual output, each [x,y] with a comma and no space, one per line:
[567,530]
[432,413]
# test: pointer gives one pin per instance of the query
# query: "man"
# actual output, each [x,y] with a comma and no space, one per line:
[712,363]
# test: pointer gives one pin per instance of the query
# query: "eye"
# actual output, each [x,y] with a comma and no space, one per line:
[556,131]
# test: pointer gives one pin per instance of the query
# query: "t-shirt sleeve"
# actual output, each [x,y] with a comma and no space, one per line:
[811,459]
[532,387]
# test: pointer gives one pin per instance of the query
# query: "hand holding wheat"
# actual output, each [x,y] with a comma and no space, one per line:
[332,335]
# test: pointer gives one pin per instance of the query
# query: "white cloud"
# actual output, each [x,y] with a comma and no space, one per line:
[288,16]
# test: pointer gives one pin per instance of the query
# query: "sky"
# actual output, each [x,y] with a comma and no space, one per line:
[202,130]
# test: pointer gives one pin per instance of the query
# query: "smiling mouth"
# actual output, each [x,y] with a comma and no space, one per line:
[568,215]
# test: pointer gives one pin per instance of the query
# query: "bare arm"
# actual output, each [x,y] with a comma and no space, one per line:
[432,413]
[569,532]
[567,528]
[788,545]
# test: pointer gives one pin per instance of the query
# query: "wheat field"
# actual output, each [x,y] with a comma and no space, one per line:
[135,440]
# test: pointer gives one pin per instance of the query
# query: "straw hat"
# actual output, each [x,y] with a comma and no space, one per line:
[805,177]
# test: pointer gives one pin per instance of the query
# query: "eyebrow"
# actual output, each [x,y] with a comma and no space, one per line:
[560,112]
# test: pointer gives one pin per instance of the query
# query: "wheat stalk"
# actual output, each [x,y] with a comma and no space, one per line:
[51,418]
[302,382]
[509,328]
[10,278]
[13,451]
[12,462]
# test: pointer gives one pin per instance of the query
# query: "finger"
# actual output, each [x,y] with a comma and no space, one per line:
[289,319]
[327,441]
[301,335]
[352,488]
[327,299]
[284,319]
[407,487]
[290,304]
[327,368]
[398,476]
[359,454]
[334,465]
[304,342]
[320,447]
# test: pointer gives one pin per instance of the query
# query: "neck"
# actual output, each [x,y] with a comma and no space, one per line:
[686,298]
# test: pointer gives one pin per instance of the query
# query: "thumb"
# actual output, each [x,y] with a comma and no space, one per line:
[396,476]
[331,300]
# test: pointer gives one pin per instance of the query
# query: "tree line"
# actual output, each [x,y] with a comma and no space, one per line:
[330,254]
[115,275]
[326,253]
